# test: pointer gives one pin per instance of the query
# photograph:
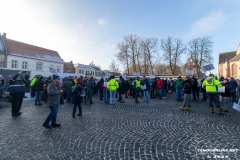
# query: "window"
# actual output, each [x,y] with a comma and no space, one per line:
[58,69]
[79,71]
[24,65]
[39,66]
[14,64]
[51,67]
[1,58]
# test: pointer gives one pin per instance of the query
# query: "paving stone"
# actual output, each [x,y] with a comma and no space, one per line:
[128,131]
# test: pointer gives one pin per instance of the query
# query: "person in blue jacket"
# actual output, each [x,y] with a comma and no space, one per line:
[78,93]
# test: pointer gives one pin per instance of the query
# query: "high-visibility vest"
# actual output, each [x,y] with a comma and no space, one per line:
[211,84]
[33,82]
[112,85]
[137,84]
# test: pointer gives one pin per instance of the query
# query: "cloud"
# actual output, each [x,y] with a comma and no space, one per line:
[208,24]
[102,21]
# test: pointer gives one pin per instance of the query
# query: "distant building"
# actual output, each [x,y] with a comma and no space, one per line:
[84,69]
[17,55]
[68,67]
[229,64]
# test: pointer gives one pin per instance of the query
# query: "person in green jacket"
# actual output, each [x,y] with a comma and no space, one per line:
[211,84]
[179,87]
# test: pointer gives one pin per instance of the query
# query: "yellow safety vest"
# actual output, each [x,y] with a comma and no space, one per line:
[211,84]
[137,84]
[112,85]
[33,82]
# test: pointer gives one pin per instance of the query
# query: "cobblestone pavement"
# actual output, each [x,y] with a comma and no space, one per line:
[126,131]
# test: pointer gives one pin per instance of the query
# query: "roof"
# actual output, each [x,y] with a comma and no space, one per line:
[226,56]
[30,51]
[95,67]
[236,58]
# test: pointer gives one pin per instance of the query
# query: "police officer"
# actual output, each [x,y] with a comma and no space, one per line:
[212,84]
[17,91]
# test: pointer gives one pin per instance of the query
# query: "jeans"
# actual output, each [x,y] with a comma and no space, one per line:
[68,95]
[146,96]
[194,93]
[186,102]
[164,92]
[225,102]
[112,97]
[105,97]
[52,115]
[123,97]
[213,98]
[75,108]
[159,93]
[89,97]
[38,97]
[179,94]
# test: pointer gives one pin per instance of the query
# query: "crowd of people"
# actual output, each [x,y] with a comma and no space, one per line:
[77,90]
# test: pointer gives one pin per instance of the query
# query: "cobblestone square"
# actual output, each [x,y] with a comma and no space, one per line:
[127,131]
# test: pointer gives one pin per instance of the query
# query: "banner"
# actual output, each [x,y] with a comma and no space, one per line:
[208,67]
[137,74]
[189,72]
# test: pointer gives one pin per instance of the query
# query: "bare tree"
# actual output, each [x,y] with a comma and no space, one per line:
[201,52]
[149,46]
[172,51]
[113,67]
[132,42]
[123,55]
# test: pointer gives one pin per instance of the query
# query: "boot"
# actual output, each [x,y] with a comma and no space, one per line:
[219,111]
[211,110]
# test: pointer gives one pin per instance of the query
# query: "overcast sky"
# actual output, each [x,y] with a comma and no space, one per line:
[89,30]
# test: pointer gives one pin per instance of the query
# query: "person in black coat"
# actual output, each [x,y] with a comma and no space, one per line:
[187,89]
[122,90]
[39,88]
[78,94]
[17,90]
[225,98]
[100,83]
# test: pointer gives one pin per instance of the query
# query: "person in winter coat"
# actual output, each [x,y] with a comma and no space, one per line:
[100,83]
[78,94]
[90,89]
[17,90]
[67,85]
[187,89]
[54,93]
[179,87]
[234,85]
[122,89]
[39,88]
[146,87]
[225,98]
[211,84]
[159,88]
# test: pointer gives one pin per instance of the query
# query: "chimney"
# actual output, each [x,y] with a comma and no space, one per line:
[4,35]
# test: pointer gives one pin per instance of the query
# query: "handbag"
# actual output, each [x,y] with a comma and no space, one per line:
[236,106]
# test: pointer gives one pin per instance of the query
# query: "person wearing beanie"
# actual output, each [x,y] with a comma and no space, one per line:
[54,93]
[17,92]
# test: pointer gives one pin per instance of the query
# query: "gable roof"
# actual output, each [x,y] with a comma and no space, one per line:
[30,51]
[226,56]
[2,46]
[236,58]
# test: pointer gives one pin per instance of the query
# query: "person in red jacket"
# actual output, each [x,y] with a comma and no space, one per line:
[159,88]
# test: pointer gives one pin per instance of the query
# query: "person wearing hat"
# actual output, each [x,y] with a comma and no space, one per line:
[78,94]
[39,88]
[212,84]
[17,90]
[54,93]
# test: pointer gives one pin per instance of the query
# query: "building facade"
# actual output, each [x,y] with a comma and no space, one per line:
[26,57]
[68,67]
[229,64]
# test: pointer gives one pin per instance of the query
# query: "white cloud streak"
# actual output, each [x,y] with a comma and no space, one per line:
[208,24]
